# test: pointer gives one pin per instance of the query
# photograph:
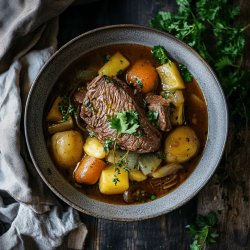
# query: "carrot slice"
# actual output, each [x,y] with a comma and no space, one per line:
[143,76]
[88,170]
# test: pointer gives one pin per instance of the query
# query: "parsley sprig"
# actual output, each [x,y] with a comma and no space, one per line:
[207,26]
[204,231]
[160,54]
[66,108]
[125,122]
[153,116]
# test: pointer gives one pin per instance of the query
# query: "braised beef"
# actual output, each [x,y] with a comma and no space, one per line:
[79,95]
[161,105]
[106,97]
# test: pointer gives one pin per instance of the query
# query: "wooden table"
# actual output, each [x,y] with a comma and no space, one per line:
[229,199]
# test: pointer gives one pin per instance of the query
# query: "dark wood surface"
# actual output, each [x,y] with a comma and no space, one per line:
[228,198]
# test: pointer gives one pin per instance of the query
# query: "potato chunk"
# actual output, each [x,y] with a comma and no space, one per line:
[113,183]
[116,64]
[93,147]
[54,114]
[66,148]
[170,76]
[137,175]
[181,145]
[149,163]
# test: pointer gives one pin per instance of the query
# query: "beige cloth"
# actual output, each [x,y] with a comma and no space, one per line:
[35,218]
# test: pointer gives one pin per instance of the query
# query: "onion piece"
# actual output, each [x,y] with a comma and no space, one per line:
[149,163]
[167,170]
[132,158]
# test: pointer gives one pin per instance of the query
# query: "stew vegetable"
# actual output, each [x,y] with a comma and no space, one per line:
[124,126]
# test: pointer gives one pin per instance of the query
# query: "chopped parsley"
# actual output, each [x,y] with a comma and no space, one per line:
[185,73]
[66,108]
[125,122]
[153,116]
[152,197]
[139,133]
[224,49]
[160,54]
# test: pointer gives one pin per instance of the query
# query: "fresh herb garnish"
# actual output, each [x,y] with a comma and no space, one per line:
[139,133]
[66,108]
[204,231]
[115,179]
[186,75]
[126,168]
[107,144]
[152,197]
[152,116]
[160,54]
[125,122]
[139,83]
[120,162]
[117,170]
[206,25]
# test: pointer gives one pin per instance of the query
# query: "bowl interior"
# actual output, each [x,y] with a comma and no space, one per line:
[125,34]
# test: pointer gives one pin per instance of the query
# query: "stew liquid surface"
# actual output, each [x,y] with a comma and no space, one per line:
[194,116]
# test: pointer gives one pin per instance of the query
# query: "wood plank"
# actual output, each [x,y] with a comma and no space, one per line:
[168,231]
[163,232]
[228,192]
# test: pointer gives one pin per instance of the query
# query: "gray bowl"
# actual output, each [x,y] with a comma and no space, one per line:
[126,34]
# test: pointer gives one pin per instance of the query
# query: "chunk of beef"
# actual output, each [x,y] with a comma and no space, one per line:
[79,95]
[161,105]
[104,98]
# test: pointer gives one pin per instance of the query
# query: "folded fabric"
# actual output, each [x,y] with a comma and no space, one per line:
[34,218]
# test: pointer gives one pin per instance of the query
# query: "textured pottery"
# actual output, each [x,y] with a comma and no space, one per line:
[126,34]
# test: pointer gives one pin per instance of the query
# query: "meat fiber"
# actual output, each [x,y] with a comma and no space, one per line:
[105,97]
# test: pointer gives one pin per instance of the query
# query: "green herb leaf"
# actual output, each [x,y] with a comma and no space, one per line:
[126,168]
[206,25]
[107,144]
[152,196]
[126,122]
[185,73]
[153,116]
[66,108]
[116,179]
[203,231]
[160,54]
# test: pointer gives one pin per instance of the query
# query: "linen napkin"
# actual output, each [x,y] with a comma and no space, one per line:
[31,217]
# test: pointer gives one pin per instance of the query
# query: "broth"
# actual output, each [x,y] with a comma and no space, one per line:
[195,111]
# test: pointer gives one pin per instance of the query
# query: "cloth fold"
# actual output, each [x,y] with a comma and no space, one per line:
[34,218]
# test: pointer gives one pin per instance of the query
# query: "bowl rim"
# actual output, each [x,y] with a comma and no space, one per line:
[143,29]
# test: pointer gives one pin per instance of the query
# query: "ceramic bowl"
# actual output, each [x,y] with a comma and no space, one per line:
[126,34]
